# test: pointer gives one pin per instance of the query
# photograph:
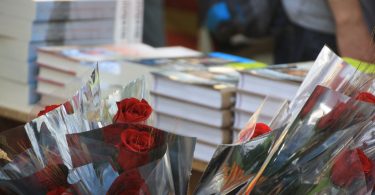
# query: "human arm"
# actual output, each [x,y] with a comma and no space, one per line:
[353,37]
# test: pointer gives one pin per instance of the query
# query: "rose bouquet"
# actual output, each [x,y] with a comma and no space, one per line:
[90,145]
[233,165]
[307,137]
[318,130]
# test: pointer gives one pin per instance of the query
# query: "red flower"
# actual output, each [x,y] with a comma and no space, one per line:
[129,183]
[349,166]
[310,103]
[137,141]
[260,129]
[59,191]
[366,97]
[48,109]
[333,116]
[132,110]
[134,149]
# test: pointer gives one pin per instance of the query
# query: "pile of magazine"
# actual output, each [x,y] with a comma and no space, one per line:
[320,143]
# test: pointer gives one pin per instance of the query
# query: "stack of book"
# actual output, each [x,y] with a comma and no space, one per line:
[63,68]
[28,24]
[278,83]
[198,104]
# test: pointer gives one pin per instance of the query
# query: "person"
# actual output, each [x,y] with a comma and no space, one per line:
[344,25]
[302,27]
[153,26]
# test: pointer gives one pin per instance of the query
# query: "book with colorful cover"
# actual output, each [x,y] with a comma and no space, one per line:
[203,61]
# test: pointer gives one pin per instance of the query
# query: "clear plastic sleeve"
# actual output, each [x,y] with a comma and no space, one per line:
[325,125]
[167,154]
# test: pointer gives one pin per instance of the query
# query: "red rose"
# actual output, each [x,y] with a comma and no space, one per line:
[333,116]
[260,129]
[59,191]
[310,103]
[137,141]
[134,149]
[48,109]
[132,110]
[129,183]
[366,97]
[350,165]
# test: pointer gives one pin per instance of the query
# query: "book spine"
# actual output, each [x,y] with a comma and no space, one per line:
[129,21]
[54,31]
[33,95]
[74,10]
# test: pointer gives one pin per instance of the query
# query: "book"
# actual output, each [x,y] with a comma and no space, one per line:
[57,10]
[51,31]
[193,112]
[204,133]
[278,81]
[77,60]
[58,92]
[56,85]
[15,93]
[26,50]
[250,102]
[242,117]
[203,151]
[18,70]
[205,88]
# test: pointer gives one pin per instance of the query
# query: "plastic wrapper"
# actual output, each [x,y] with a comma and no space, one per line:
[163,160]
[325,125]
[80,113]
[83,112]
[232,165]
[333,72]
[135,89]
[21,172]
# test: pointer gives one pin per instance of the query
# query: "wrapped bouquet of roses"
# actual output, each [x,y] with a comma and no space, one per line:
[330,110]
[233,165]
[90,145]
[157,161]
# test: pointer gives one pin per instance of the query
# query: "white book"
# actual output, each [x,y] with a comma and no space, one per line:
[49,99]
[57,91]
[77,60]
[204,133]
[235,135]
[52,82]
[26,50]
[15,94]
[250,102]
[242,117]
[56,77]
[49,31]
[47,10]
[278,81]
[192,88]
[192,112]
[204,152]
[172,52]
[267,86]
[19,71]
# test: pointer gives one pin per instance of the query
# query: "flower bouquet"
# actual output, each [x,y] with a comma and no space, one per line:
[90,145]
[309,137]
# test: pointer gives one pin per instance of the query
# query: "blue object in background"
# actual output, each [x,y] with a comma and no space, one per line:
[218,13]
[230,57]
